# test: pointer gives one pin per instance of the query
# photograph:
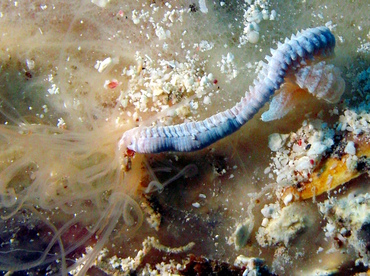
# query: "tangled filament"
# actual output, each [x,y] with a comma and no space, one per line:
[45,169]
[188,171]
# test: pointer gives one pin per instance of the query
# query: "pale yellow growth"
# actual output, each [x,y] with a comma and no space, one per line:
[332,173]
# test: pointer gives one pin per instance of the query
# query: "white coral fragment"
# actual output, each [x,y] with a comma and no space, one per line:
[284,227]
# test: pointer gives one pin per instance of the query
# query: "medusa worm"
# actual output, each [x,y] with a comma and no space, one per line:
[191,136]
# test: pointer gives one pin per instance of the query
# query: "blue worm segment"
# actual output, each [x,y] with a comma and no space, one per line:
[192,136]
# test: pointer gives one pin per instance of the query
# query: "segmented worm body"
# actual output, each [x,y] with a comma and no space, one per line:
[192,136]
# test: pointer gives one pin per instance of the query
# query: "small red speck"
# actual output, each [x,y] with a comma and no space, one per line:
[312,162]
[300,142]
[215,81]
[113,84]
[130,153]
[121,13]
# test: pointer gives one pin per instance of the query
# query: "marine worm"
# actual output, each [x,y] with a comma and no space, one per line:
[306,45]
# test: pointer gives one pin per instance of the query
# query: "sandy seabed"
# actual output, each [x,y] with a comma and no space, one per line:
[75,75]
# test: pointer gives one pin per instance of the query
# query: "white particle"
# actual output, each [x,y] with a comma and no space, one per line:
[30,64]
[207,100]
[101,65]
[202,6]
[350,148]
[196,204]
[288,199]
[100,3]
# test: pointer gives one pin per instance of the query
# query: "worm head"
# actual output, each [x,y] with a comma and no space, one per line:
[127,141]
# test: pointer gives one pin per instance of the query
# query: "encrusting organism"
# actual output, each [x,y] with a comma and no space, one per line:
[306,45]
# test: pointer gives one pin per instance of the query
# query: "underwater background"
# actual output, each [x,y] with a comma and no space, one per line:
[75,75]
